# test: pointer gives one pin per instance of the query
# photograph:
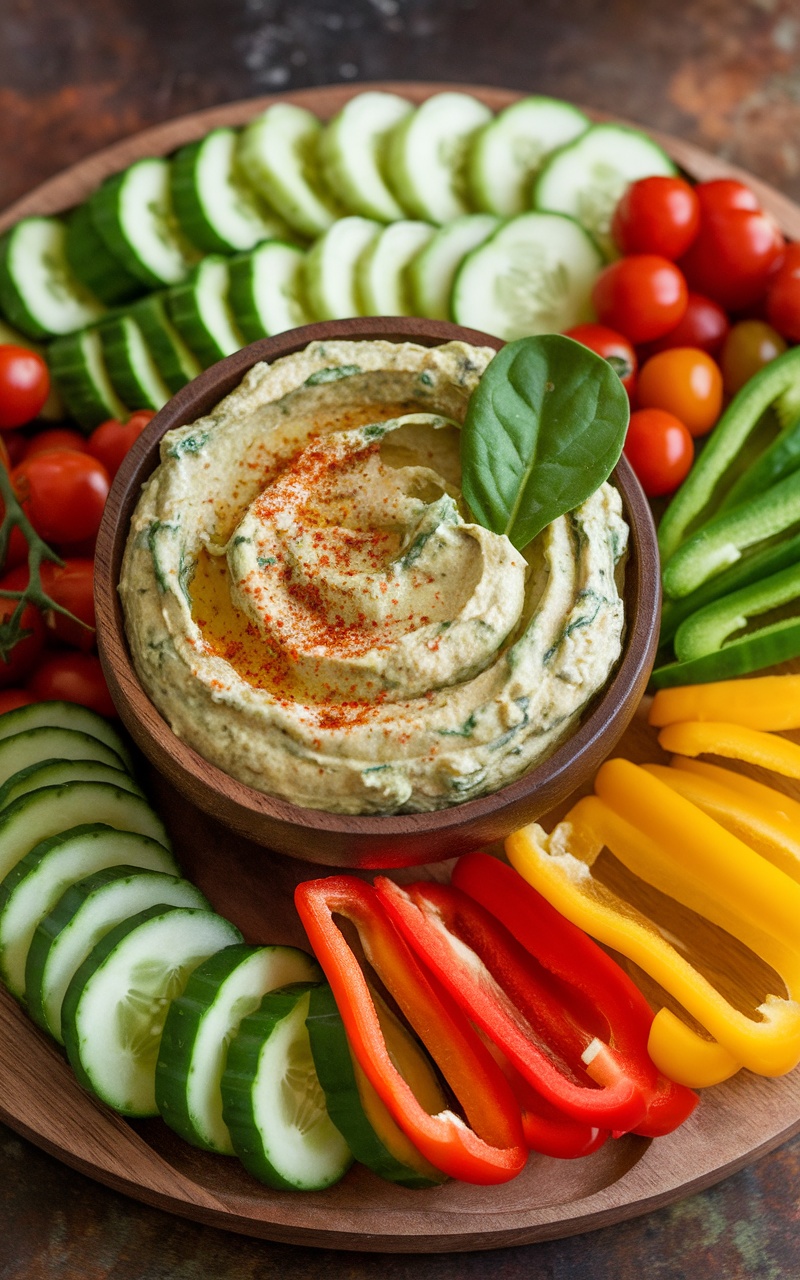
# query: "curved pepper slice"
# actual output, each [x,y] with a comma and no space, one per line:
[763,702]
[734,741]
[675,847]
[559,1009]
[493,1150]
[778,801]
[546,1128]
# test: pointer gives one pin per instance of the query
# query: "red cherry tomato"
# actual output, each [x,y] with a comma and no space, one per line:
[54,438]
[612,346]
[725,193]
[734,256]
[72,677]
[25,654]
[72,586]
[24,385]
[11,699]
[704,324]
[783,296]
[748,347]
[660,450]
[63,493]
[643,296]
[687,383]
[656,215]
[111,440]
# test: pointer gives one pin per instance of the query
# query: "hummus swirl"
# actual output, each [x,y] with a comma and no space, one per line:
[312,609]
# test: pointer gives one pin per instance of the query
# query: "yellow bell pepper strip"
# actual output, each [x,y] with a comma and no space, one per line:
[775,837]
[490,1147]
[765,702]
[778,801]
[734,741]
[675,847]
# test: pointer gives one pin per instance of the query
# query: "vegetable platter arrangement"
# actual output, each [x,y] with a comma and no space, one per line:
[495,1075]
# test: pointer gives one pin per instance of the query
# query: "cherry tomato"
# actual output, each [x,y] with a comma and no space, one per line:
[612,346]
[725,193]
[790,261]
[660,450]
[733,256]
[24,385]
[63,493]
[656,215]
[704,324]
[686,382]
[11,699]
[783,297]
[72,677]
[15,446]
[72,586]
[54,438]
[25,654]
[748,347]
[643,296]
[111,440]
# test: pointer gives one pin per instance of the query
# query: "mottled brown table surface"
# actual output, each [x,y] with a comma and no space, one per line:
[76,75]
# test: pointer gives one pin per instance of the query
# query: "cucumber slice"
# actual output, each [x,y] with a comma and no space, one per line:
[508,153]
[38,292]
[52,773]
[53,409]
[272,1101]
[201,1024]
[114,1007]
[79,371]
[432,272]
[201,312]
[586,178]
[84,914]
[130,364]
[267,290]
[32,746]
[92,262]
[217,211]
[330,269]
[351,153]
[427,154]
[175,361]
[52,810]
[277,155]
[382,272]
[133,213]
[534,276]
[353,1105]
[35,884]
[65,715]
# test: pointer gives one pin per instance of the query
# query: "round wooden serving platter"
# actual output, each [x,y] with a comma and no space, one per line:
[40,1098]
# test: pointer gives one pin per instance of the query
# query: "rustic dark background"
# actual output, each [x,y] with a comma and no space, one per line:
[76,75]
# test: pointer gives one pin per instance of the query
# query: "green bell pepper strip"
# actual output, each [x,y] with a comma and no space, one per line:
[764,648]
[778,385]
[774,464]
[707,630]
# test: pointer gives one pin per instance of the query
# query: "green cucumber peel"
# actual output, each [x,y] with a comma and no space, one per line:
[544,428]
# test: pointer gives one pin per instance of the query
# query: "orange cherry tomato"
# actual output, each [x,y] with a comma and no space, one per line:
[660,450]
[684,381]
[748,347]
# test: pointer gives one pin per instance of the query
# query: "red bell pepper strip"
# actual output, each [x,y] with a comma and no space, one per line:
[547,1130]
[558,1007]
[493,1149]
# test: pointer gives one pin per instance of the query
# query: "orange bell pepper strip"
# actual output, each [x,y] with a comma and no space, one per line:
[764,702]
[490,1148]
[734,741]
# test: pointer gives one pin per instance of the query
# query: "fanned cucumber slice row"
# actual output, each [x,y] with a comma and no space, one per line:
[201,312]
[53,408]
[176,363]
[53,810]
[35,884]
[352,151]
[133,213]
[427,153]
[331,266]
[52,773]
[130,364]
[79,371]
[277,154]
[200,1025]
[267,290]
[432,272]
[507,154]
[38,291]
[586,178]
[84,914]
[382,273]
[535,275]
[93,263]
[272,1101]
[32,746]
[65,715]
[116,1003]
[218,211]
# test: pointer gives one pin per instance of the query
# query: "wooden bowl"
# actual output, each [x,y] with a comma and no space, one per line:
[338,839]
